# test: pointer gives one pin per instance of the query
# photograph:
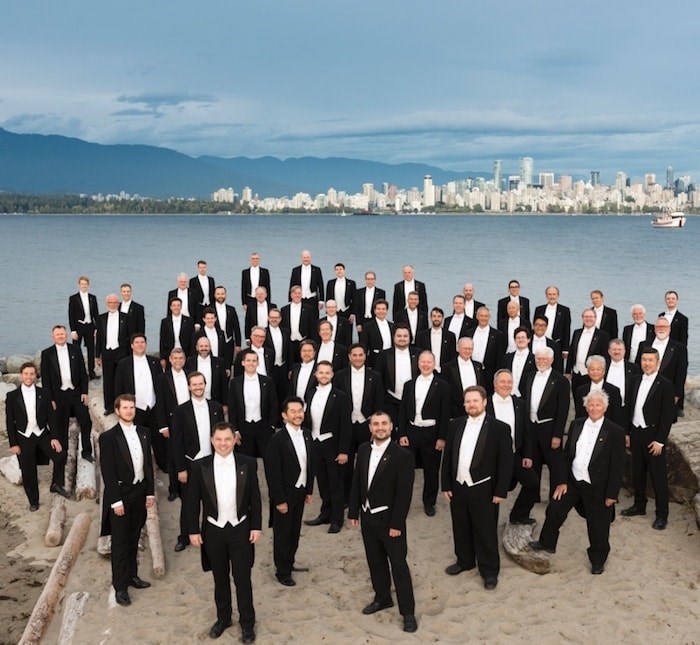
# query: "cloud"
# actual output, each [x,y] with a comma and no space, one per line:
[158,100]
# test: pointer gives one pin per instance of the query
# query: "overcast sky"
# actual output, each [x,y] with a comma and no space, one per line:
[580,85]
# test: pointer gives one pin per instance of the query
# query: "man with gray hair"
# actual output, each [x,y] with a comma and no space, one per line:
[595,367]
[637,333]
[404,287]
[595,459]
[187,297]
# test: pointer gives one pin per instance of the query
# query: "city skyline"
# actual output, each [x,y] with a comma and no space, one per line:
[599,86]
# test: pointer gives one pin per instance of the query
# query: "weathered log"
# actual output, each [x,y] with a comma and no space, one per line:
[57,520]
[98,468]
[9,467]
[46,605]
[104,544]
[155,541]
[75,606]
[85,484]
[72,460]
[516,539]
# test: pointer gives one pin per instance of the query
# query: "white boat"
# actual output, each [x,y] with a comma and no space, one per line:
[669,220]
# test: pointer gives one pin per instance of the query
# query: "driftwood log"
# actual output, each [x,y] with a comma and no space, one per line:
[85,484]
[57,520]
[72,460]
[516,539]
[75,606]
[46,605]
[155,541]
[9,467]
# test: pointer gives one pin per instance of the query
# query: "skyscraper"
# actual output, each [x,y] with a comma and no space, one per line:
[595,177]
[669,177]
[428,191]
[498,173]
[527,165]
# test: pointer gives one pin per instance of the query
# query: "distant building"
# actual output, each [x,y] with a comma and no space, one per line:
[546,179]
[498,173]
[223,195]
[669,177]
[428,191]
[527,167]
[649,179]
[595,177]
[247,194]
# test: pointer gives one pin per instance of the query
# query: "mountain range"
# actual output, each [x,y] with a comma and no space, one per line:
[54,164]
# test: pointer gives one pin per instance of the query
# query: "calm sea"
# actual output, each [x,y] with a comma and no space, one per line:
[623,256]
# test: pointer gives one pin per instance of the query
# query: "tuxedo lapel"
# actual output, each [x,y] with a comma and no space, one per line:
[480,444]
[208,479]
[241,472]
[600,442]
[124,449]
[380,467]
[458,443]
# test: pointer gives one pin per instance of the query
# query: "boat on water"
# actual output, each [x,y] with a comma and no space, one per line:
[669,220]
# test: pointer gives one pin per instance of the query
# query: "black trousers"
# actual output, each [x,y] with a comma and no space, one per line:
[642,462]
[598,517]
[577,381]
[229,551]
[28,447]
[382,551]
[360,435]
[86,334]
[421,441]
[280,377]
[126,530]
[475,528]
[110,358]
[286,528]
[149,419]
[330,481]
[527,478]
[254,438]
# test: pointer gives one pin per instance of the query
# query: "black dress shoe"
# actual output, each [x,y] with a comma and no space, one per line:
[218,627]
[526,521]
[57,488]
[429,510]
[633,510]
[680,412]
[490,583]
[317,521]
[659,524]
[89,458]
[300,569]
[597,569]
[181,546]
[93,376]
[34,507]
[247,635]
[172,497]
[122,598]
[538,546]
[137,583]
[287,581]
[375,606]
[334,528]
[456,568]
[409,623]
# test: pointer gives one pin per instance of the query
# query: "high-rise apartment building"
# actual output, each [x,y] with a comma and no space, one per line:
[498,173]
[428,191]
[595,177]
[527,168]
[669,177]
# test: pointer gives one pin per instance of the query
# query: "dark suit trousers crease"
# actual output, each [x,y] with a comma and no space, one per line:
[382,550]
[229,550]
[125,534]
[69,405]
[360,435]
[286,528]
[421,441]
[643,461]
[254,438]
[86,334]
[527,478]
[28,465]
[149,419]
[475,527]
[330,481]
[110,358]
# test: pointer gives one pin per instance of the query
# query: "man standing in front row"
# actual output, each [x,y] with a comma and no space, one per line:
[226,487]
[477,466]
[289,474]
[595,460]
[127,471]
[382,487]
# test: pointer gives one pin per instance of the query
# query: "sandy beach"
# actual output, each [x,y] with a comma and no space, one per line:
[650,589]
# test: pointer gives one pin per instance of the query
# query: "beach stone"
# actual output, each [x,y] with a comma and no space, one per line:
[516,539]
[12,363]
[3,365]
[6,387]
[683,461]
[692,391]
[12,379]
[696,507]
[9,467]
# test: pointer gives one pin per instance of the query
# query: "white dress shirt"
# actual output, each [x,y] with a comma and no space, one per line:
[369,300]
[112,330]
[538,385]
[456,325]
[519,360]
[584,344]
[183,294]
[204,366]
[316,409]
[340,289]
[204,284]
[254,280]
[306,282]
[422,388]
[64,367]
[436,346]
[584,450]
[551,313]
[177,326]
[403,372]
[278,344]
[638,418]
[294,320]
[616,377]
[84,298]
[143,384]
[297,437]
[639,335]
[305,371]
[357,389]
[375,456]
[252,398]
[225,482]
[504,410]
[470,437]
[481,341]
[203,421]
[29,398]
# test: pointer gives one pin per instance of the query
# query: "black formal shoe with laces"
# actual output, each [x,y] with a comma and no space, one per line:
[287,581]
[181,546]
[597,569]
[429,510]
[172,497]
[659,524]
[34,507]
[376,606]
[122,598]
[93,376]
[218,627]
[57,488]
[88,458]
[633,510]
[456,568]
[409,623]
[538,546]
[334,528]
[490,583]
[317,521]
[247,635]
[137,583]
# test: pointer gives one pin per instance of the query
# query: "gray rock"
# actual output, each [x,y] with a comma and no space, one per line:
[5,388]
[516,539]
[12,363]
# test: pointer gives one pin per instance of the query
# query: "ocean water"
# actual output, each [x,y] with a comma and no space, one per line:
[623,256]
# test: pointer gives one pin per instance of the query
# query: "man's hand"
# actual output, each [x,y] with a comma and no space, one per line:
[560,491]
[196,540]
[497,500]
[403,441]
[56,445]
[165,432]
[283,507]
[394,533]
[527,463]
[182,476]
[119,510]
[440,445]
[74,335]
[342,459]
[254,536]
[448,495]
[54,406]
[609,502]
[308,499]
[354,523]
[655,448]
[15,450]
[85,399]
[150,501]
[556,442]
[627,441]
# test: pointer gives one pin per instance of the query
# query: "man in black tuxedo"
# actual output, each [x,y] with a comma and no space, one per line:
[266,355]
[423,417]
[605,317]
[299,319]
[365,299]
[258,311]
[188,298]
[595,465]
[677,320]
[252,404]
[471,305]
[377,333]
[558,317]
[65,380]
[191,428]
[596,366]
[330,350]
[253,277]
[539,341]
[202,286]
[277,341]
[441,342]
[216,382]
[113,335]
[546,396]
[28,419]
[227,321]
[366,392]
[621,373]
[382,488]
[652,413]
[82,319]
[489,346]
[134,311]
[587,341]
[637,333]
[459,323]
[290,480]
[302,381]
[342,290]
[217,339]
[127,472]
[310,279]
[176,330]
[415,318]
[462,373]
[511,410]
[405,287]
[342,325]
[514,296]
[136,374]
[510,322]
[225,487]
[328,413]
[477,466]
[397,365]
[521,362]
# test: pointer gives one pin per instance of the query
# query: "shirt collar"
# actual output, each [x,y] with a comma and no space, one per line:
[224,461]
